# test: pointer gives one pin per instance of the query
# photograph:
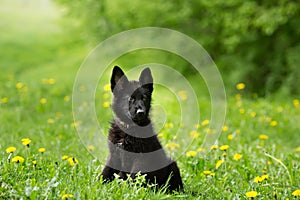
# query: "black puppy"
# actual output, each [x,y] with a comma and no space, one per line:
[133,145]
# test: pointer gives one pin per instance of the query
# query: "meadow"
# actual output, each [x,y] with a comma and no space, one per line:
[41,156]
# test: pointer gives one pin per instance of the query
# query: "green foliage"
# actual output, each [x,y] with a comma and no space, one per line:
[256,42]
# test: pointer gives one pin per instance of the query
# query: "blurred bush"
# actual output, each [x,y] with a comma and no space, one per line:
[255,42]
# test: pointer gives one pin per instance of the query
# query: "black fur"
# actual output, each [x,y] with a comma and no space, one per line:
[132,131]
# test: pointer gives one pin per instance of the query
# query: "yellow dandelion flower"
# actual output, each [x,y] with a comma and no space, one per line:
[106,104]
[296,103]
[42,150]
[269,163]
[296,193]
[237,156]
[205,122]
[43,101]
[214,147]
[72,161]
[191,153]
[67,196]
[67,98]
[169,125]
[242,111]
[44,81]
[263,137]
[64,157]
[91,147]
[26,141]
[182,94]
[240,86]
[258,179]
[194,134]
[160,135]
[18,159]
[225,128]
[4,100]
[273,123]
[201,149]
[51,81]
[19,85]
[197,126]
[105,96]
[265,177]
[238,96]
[253,114]
[172,145]
[34,162]
[10,149]
[251,194]
[238,131]
[106,87]
[224,147]
[219,163]
[230,137]
[50,121]
[206,172]
[297,149]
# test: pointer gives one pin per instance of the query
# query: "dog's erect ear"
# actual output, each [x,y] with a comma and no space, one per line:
[118,79]
[146,79]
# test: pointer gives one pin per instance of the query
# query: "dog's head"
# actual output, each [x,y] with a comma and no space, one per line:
[132,99]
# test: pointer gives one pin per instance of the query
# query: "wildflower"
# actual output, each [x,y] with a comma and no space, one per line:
[67,98]
[251,194]
[296,193]
[160,135]
[172,145]
[201,149]
[106,104]
[66,196]
[4,100]
[296,103]
[34,162]
[10,149]
[273,123]
[265,177]
[105,96]
[51,81]
[297,149]
[230,137]
[50,121]
[225,128]
[91,147]
[253,114]
[238,96]
[169,125]
[18,159]
[219,163]
[238,131]
[42,150]
[224,147]
[26,141]
[106,87]
[242,111]
[214,147]
[237,156]
[205,122]
[194,134]
[191,153]
[182,95]
[240,86]
[19,85]
[197,126]
[258,179]
[43,101]
[263,137]
[207,172]
[72,161]
[64,157]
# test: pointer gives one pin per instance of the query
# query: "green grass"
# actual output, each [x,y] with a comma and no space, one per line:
[54,55]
